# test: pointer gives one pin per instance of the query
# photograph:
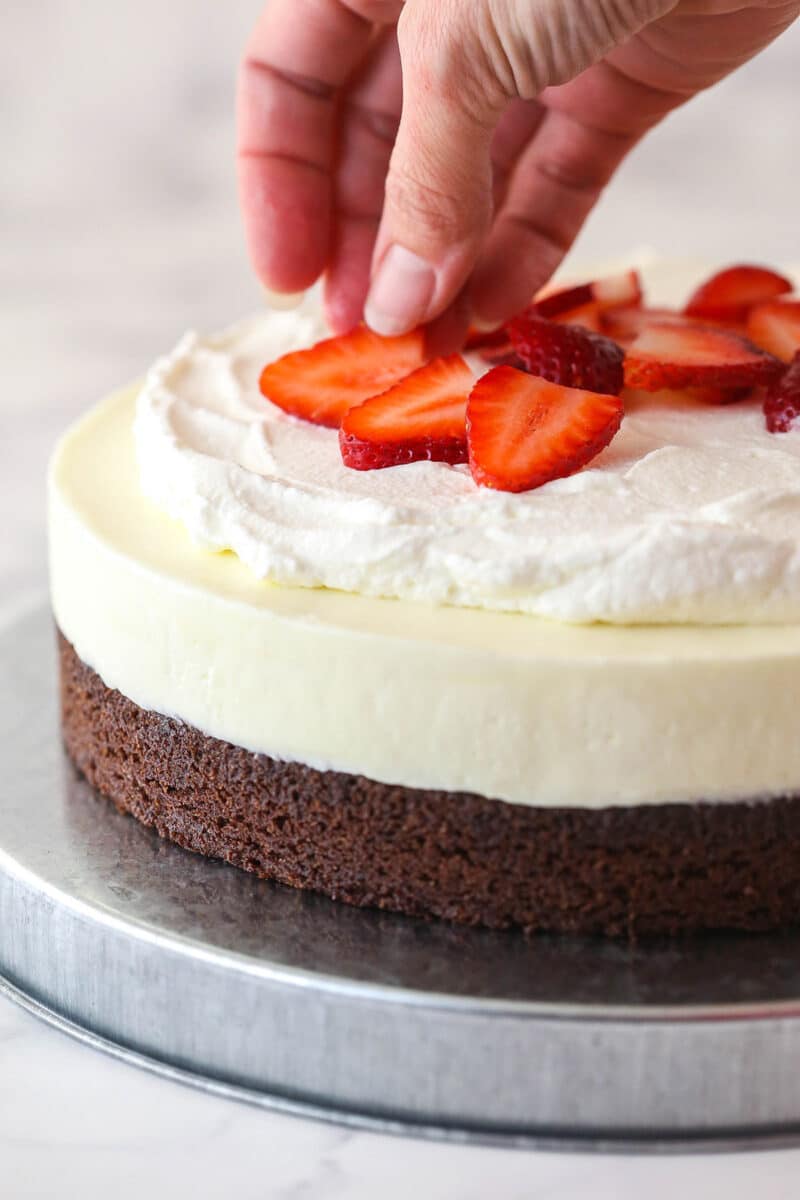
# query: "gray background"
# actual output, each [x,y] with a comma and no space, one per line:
[119,229]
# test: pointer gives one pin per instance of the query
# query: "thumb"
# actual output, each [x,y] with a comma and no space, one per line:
[463,61]
[438,199]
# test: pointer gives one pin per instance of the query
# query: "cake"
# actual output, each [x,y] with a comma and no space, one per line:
[572,708]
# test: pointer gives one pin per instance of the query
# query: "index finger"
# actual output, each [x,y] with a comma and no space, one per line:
[298,56]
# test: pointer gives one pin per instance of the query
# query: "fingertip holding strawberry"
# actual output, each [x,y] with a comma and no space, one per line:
[551,402]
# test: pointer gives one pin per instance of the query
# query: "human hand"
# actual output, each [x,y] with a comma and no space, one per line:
[440,156]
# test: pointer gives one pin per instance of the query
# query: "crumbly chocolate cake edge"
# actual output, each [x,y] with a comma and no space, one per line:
[619,871]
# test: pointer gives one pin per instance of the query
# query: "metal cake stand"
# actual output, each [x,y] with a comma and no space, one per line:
[199,971]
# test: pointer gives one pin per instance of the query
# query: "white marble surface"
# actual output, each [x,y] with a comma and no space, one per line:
[118,229]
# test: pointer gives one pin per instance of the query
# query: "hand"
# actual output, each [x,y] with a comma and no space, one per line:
[441,156]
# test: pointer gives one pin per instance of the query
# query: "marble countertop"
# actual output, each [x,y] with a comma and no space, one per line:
[118,230]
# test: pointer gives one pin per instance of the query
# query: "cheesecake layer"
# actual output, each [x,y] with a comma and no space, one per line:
[617,871]
[505,706]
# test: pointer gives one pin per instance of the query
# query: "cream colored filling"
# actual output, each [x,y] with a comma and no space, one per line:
[506,705]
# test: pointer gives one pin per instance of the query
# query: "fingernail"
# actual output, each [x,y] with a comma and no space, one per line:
[282,299]
[400,293]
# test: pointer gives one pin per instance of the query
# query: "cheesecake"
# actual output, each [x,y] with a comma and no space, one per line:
[569,709]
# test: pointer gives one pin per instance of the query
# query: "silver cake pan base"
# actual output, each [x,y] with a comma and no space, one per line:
[287,999]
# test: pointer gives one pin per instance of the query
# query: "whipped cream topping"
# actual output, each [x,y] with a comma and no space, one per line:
[692,514]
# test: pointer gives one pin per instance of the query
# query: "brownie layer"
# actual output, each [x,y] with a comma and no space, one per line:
[624,870]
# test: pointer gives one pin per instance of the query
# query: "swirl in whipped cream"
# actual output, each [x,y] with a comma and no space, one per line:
[692,514]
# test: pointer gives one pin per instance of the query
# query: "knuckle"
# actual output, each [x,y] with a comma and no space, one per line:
[434,38]
[572,174]
[442,215]
[446,50]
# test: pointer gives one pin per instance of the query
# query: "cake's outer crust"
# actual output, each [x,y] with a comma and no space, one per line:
[649,869]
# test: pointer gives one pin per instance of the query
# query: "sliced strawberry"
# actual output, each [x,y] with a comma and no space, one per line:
[564,300]
[523,431]
[782,401]
[503,358]
[494,347]
[710,394]
[615,290]
[552,305]
[776,327]
[567,354]
[587,316]
[666,355]
[499,351]
[322,383]
[611,292]
[624,324]
[730,294]
[421,417]
[585,304]
[485,339]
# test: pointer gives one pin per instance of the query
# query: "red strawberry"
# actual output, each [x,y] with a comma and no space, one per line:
[665,355]
[776,327]
[322,383]
[615,290]
[493,346]
[718,395]
[569,303]
[523,431]
[567,354]
[624,324]
[562,301]
[611,292]
[505,357]
[584,304]
[587,316]
[421,417]
[782,401]
[485,339]
[730,294]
